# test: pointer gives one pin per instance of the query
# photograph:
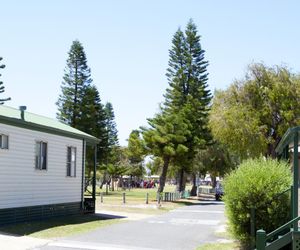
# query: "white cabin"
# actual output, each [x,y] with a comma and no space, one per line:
[42,164]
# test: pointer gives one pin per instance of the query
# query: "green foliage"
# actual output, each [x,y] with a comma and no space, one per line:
[214,159]
[77,76]
[111,153]
[166,135]
[79,103]
[136,152]
[92,121]
[111,127]
[165,140]
[154,165]
[251,116]
[257,183]
[180,129]
[188,94]
[2,66]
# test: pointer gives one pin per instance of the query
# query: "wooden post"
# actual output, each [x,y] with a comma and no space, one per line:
[94,174]
[147,198]
[158,198]
[261,239]
[124,199]
[286,152]
[82,173]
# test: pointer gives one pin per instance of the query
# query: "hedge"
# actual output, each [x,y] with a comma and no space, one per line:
[257,183]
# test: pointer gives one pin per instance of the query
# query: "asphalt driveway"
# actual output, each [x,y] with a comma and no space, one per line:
[183,229]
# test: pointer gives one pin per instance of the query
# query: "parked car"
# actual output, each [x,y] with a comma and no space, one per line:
[219,191]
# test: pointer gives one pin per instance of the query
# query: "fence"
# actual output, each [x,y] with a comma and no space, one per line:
[206,190]
[165,197]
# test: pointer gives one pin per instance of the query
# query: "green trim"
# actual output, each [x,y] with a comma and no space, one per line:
[286,139]
[41,128]
[295,179]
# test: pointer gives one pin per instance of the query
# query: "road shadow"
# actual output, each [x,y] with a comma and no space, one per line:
[27,228]
[198,201]
[109,216]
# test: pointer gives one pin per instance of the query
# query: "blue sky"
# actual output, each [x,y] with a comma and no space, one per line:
[127,45]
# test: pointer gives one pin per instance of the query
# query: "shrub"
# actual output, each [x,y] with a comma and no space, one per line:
[257,183]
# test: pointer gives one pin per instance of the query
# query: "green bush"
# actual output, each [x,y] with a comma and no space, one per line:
[257,183]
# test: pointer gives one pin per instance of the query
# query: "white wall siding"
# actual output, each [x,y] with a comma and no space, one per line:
[22,185]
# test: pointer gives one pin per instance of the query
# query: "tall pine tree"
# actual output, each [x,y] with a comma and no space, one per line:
[79,104]
[111,127]
[111,151]
[93,120]
[2,100]
[188,92]
[77,76]
[136,152]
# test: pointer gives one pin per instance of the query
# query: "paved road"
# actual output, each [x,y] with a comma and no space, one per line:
[183,229]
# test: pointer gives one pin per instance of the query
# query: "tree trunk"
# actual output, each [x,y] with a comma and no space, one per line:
[180,181]
[271,148]
[194,187]
[112,183]
[75,96]
[213,181]
[163,177]
[104,180]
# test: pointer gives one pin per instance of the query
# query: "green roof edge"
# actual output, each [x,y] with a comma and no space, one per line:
[42,128]
[286,138]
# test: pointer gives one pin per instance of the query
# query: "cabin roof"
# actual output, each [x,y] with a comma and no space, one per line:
[12,116]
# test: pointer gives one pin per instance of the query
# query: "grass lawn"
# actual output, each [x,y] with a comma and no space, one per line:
[58,227]
[221,246]
[65,226]
[234,245]
[136,201]
[133,196]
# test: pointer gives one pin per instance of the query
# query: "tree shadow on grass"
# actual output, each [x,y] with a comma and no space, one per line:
[27,228]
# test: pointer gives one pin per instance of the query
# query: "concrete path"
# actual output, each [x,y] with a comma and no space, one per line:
[181,229]
[10,242]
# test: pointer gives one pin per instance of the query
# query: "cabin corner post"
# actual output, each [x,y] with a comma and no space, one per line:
[94,173]
[83,173]
[295,179]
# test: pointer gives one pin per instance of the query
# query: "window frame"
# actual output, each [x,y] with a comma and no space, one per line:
[70,163]
[39,166]
[1,140]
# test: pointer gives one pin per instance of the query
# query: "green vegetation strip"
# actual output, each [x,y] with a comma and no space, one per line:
[223,246]
[59,227]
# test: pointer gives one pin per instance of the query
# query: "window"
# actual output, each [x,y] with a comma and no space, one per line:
[71,161]
[3,141]
[41,155]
